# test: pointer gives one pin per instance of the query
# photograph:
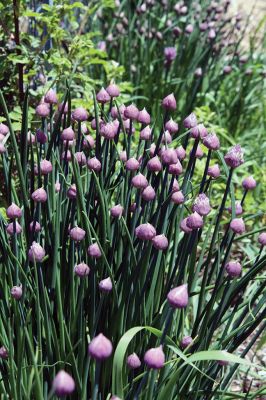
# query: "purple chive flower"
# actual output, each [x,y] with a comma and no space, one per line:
[227,69]
[10,228]
[46,167]
[84,128]
[40,136]
[123,156]
[145,133]
[184,227]
[94,164]
[72,192]
[3,129]
[39,196]
[2,148]
[103,96]
[57,187]
[117,211]
[199,131]
[195,221]
[3,353]
[177,197]
[133,361]
[35,226]
[13,211]
[160,242]
[169,102]
[148,194]
[93,123]
[168,156]
[237,225]
[154,358]
[203,26]
[100,348]
[144,117]
[131,112]
[81,158]
[51,97]
[80,114]
[77,234]
[199,152]
[238,208]
[109,130]
[113,90]
[154,164]
[36,252]
[180,152]
[178,297]
[171,126]
[145,232]
[169,54]
[63,384]
[202,204]
[60,108]
[211,142]
[16,292]
[68,134]
[249,183]
[105,285]
[42,110]
[211,34]
[94,250]
[114,397]
[177,31]
[175,186]
[186,341]
[190,121]
[198,72]
[214,171]
[132,164]
[82,270]
[175,169]
[262,239]
[139,181]
[189,29]
[89,142]
[167,138]
[233,268]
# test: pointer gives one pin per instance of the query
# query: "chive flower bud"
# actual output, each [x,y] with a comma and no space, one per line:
[249,183]
[51,97]
[237,225]
[39,196]
[175,187]
[133,361]
[132,164]
[168,156]
[82,270]
[100,348]
[36,252]
[103,96]
[148,194]
[145,133]
[139,181]
[154,358]
[10,228]
[166,138]
[117,211]
[4,129]
[81,158]
[109,130]
[3,353]
[184,227]
[190,121]
[63,384]
[72,192]
[154,164]
[233,268]
[105,285]
[60,108]
[131,112]
[177,197]
[94,250]
[2,148]
[144,117]
[171,126]
[160,242]
[42,110]
[68,134]
[186,341]
[77,234]
[214,171]
[199,131]
[113,90]
[227,69]
[16,292]
[123,156]
[211,142]
[238,208]
[80,114]
[262,239]
[180,152]
[88,142]
[198,72]
[189,29]
[41,136]
[45,167]
[199,153]
[169,54]
[94,164]
[195,221]
[178,297]
[13,211]
[35,227]
[169,102]
[211,34]
[145,232]
[175,169]
[202,204]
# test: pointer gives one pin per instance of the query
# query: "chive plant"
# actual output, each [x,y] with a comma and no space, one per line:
[119,274]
